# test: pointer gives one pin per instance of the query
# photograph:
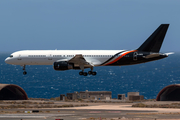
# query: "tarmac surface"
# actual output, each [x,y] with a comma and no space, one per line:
[113,111]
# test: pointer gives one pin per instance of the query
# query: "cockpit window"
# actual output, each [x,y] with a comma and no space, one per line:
[11,56]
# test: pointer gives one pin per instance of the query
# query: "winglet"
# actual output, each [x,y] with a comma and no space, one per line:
[154,42]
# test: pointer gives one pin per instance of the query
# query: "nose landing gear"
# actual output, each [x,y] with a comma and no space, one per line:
[24,68]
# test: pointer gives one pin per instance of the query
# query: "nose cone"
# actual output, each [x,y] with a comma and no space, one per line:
[8,60]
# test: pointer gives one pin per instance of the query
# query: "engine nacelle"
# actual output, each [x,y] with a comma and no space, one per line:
[62,65]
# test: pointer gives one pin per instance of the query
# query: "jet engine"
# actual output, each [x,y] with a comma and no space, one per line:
[62,65]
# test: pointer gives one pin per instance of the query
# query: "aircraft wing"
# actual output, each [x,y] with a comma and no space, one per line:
[80,60]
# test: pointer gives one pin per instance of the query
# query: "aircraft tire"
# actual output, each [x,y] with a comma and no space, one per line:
[94,73]
[85,73]
[24,73]
[90,72]
[81,73]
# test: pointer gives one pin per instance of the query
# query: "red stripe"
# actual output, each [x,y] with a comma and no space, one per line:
[120,57]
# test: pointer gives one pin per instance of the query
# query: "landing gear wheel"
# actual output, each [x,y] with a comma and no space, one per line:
[90,72]
[85,73]
[24,72]
[81,73]
[94,73]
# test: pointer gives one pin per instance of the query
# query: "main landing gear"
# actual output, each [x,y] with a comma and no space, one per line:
[24,68]
[85,73]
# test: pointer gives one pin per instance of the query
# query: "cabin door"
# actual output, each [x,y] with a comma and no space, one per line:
[50,57]
[19,57]
[135,56]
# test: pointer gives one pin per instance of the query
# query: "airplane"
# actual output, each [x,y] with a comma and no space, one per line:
[82,59]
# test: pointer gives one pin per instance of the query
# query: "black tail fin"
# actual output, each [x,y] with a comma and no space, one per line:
[154,42]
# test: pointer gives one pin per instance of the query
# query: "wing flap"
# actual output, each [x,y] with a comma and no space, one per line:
[80,60]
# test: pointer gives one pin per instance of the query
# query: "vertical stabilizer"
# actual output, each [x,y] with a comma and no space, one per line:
[154,42]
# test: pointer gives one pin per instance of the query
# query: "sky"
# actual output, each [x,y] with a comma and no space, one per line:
[86,24]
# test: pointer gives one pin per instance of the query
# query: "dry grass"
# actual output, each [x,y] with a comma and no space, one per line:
[31,104]
[24,102]
[39,106]
[172,105]
[170,113]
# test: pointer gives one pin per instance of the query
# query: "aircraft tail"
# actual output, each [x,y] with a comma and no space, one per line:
[154,42]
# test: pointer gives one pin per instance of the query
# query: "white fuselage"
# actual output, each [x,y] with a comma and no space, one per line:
[48,57]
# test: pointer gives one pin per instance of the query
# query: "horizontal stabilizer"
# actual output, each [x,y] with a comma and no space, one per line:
[169,53]
[152,55]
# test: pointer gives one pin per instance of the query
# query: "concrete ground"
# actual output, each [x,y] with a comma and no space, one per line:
[94,111]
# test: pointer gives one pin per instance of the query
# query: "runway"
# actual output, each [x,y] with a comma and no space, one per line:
[68,114]
[32,116]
